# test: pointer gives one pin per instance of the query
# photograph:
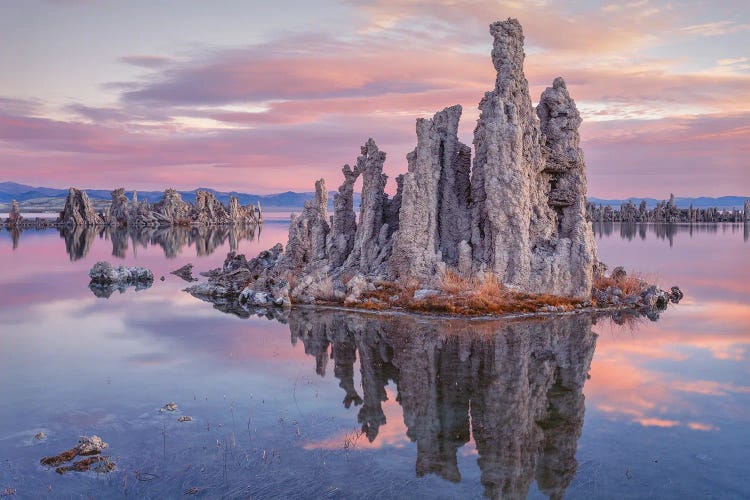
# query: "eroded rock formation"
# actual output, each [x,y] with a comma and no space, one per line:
[665,211]
[106,279]
[434,216]
[171,210]
[78,210]
[519,214]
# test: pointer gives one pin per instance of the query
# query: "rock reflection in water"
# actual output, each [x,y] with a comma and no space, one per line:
[515,386]
[172,240]
[631,230]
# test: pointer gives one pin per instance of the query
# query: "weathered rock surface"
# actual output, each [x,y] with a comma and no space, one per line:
[528,183]
[104,272]
[371,244]
[434,209]
[308,232]
[119,210]
[344,223]
[78,210]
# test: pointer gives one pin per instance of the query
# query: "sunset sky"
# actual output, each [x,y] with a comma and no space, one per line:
[263,97]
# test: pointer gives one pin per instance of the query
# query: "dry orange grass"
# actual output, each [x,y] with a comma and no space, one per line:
[463,296]
[631,284]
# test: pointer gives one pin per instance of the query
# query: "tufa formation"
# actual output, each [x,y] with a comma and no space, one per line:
[171,210]
[518,214]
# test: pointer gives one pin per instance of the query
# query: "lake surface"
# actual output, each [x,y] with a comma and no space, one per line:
[330,404]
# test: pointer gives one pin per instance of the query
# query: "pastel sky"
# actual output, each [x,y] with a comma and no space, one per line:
[263,97]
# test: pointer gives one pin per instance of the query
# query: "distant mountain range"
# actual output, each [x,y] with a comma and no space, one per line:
[44,198]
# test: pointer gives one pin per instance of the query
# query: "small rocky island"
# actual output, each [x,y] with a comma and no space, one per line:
[506,233]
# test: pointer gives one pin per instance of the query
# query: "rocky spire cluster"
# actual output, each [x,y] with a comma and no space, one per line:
[665,211]
[171,210]
[519,213]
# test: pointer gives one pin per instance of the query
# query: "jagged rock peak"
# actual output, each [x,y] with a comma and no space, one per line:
[78,210]
[559,121]
[344,224]
[308,232]
[370,240]
[507,53]
[434,214]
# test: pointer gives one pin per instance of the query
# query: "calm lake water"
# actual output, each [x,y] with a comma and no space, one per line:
[343,405]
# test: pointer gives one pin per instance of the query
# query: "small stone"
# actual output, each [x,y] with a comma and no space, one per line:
[39,436]
[90,445]
[185,418]
[162,278]
[169,407]
[425,293]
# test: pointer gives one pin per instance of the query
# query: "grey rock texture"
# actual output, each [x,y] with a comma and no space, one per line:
[78,210]
[208,210]
[119,210]
[172,208]
[664,212]
[104,272]
[434,207]
[371,245]
[569,270]
[308,232]
[344,223]
[528,182]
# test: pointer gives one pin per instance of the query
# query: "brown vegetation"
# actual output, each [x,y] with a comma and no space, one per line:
[463,296]
[630,284]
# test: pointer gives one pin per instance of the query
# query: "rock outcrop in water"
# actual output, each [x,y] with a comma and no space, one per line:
[520,215]
[78,210]
[517,217]
[171,210]
[665,211]
[106,278]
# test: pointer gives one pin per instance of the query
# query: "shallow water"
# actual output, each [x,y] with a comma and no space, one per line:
[345,405]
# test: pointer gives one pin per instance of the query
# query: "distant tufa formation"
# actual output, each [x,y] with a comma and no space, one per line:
[170,211]
[518,214]
[665,211]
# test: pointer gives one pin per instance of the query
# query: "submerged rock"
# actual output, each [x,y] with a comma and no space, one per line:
[106,273]
[169,407]
[106,279]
